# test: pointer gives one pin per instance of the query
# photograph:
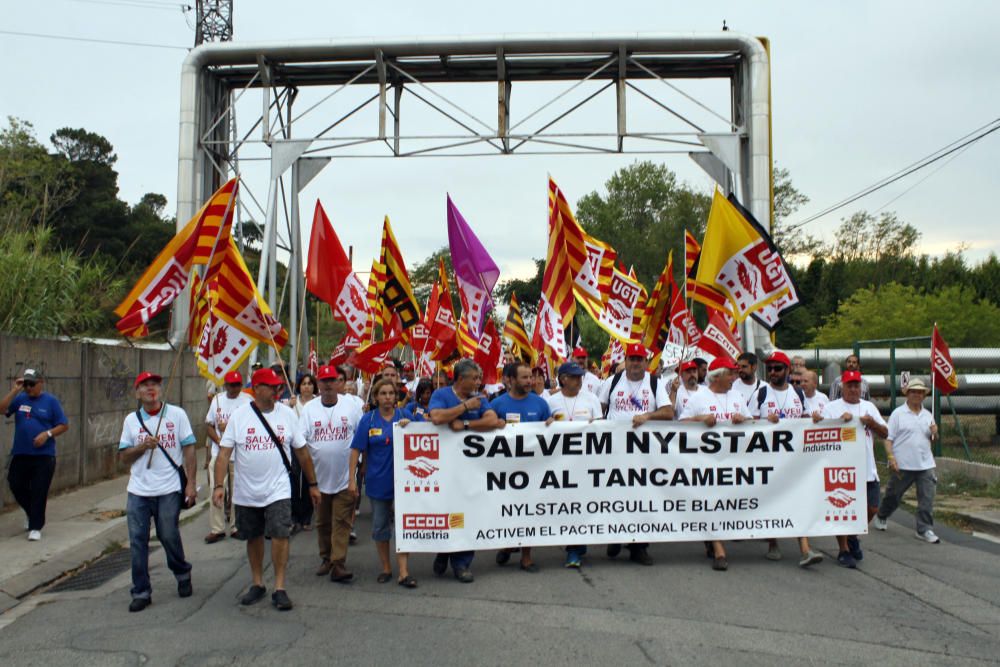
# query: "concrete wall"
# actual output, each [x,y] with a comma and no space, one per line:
[93,382]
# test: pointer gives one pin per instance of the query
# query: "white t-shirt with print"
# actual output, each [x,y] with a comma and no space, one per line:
[684,396]
[583,407]
[328,431]
[748,391]
[817,402]
[722,406]
[160,478]
[591,383]
[632,398]
[260,475]
[910,434]
[836,409]
[219,411]
[784,404]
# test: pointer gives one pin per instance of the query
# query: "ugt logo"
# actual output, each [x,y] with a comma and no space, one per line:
[840,485]
[420,454]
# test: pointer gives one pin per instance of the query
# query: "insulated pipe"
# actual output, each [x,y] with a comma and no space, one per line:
[906,358]
[190,165]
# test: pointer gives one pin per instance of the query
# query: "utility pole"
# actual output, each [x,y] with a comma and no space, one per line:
[214,21]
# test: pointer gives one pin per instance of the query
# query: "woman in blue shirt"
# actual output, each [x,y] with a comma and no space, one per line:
[374,437]
[422,398]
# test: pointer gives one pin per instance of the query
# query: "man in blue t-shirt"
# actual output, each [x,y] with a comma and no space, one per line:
[462,408]
[520,404]
[38,419]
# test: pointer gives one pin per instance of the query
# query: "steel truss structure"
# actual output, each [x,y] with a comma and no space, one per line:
[217,79]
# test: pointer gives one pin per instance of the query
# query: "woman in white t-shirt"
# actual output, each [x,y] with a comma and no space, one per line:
[302,507]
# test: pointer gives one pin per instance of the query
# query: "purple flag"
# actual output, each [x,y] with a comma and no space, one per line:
[475,271]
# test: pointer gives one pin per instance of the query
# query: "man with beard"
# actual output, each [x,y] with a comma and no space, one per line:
[748,384]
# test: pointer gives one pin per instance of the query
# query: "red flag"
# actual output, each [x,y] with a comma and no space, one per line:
[717,340]
[372,357]
[327,265]
[683,329]
[942,368]
[340,354]
[488,353]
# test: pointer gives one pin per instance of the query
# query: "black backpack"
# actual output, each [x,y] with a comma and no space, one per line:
[653,380]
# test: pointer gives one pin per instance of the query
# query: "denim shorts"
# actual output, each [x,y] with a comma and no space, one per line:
[873,494]
[381,520]
[274,520]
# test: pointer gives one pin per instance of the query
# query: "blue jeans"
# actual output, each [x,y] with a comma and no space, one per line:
[164,511]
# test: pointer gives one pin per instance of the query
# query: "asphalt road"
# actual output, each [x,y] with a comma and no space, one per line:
[909,602]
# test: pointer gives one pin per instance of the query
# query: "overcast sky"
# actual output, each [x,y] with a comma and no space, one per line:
[860,90]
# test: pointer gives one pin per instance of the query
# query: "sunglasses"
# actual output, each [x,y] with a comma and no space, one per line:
[796,382]
[28,384]
[774,369]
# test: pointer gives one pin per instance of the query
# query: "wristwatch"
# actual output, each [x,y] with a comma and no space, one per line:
[465,424]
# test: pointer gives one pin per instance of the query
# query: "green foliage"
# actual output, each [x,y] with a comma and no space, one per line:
[46,293]
[425,274]
[643,214]
[33,186]
[792,242]
[900,310]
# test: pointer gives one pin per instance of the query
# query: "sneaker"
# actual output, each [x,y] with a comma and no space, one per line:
[253,596]
[212,538]
[773,552]
[572,559]
[880,523]
[138,604]
[845,559]
[854,545]
[34,535]
[641,556]
[440,564]
[929,536]
[464,575]
[810,558]
[352,538]
[280,601]
[184,588]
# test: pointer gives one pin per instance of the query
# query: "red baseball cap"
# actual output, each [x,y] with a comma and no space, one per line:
[580,352]
[327,373]
[266,376]
[688,365]
[722,362]
[408,366]
[146,375]
[850,376]
[233,377]
[779,358]
[635,350]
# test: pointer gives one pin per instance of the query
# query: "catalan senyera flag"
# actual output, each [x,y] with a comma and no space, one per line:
[514,331]
[239,318]
[942,368]
[556,306]
[199,309]
[202,241]
[397,293]
[467,342]
[591,261]
[704,294]
[657,309]
[376,279]
[739,259]
[639,313]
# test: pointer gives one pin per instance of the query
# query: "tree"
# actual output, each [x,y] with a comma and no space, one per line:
[425,274]
[34,185]
[792,241]
[79,145]
[896,311]
[643,214]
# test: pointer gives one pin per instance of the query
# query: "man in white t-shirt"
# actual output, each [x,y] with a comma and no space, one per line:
[262,489]
[718,404]
[775,401]
[571,403]
[911,432]
[851,407]
[747,384]
[591,382]
[685,385]
[221,407]
[815,399]
[156,441]
[327,426]
[633,395]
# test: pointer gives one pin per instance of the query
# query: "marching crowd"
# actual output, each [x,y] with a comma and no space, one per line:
[282,461]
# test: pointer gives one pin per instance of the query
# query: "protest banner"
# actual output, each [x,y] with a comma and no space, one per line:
[605,482]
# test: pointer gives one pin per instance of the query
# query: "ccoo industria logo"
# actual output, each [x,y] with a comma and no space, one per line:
[421,453]
[841,488]
[829,439]
[431,526]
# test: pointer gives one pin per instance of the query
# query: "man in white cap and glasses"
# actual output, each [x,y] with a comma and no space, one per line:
[908,446]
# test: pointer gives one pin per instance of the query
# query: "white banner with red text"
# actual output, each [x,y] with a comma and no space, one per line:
[529,484]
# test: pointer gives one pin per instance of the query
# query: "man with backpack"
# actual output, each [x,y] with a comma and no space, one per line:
[775,401]
[636,396]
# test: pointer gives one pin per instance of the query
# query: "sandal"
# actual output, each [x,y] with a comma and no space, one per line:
[408,582]
[384,577]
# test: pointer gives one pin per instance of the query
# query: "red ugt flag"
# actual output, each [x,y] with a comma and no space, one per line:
[942,368]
